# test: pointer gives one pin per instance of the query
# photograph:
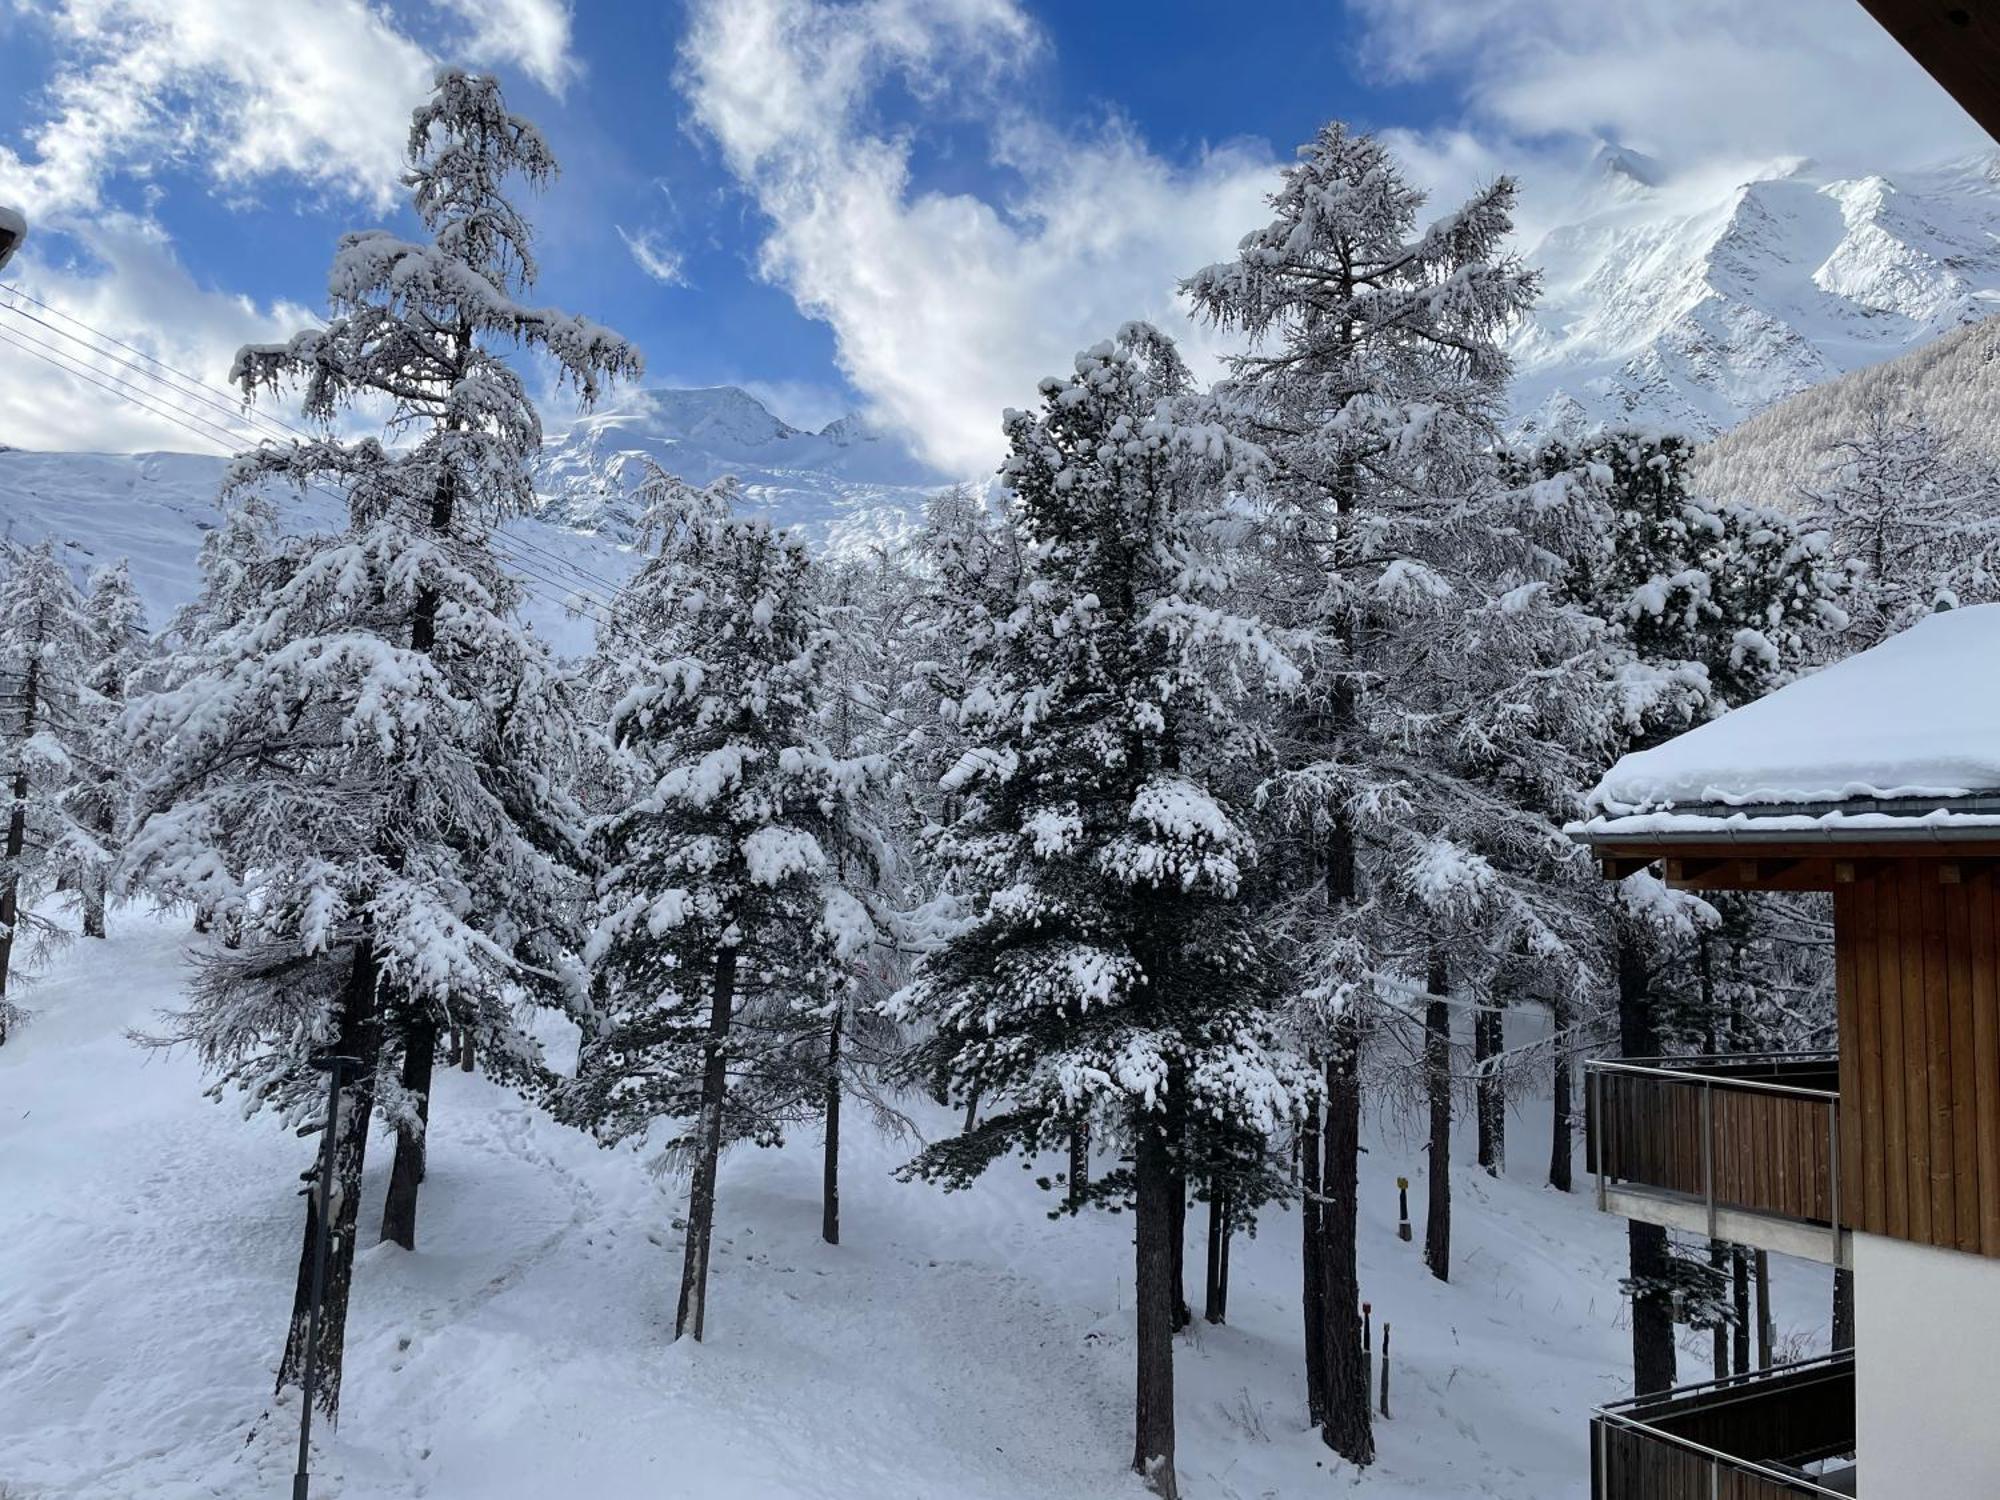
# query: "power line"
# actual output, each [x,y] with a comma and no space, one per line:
[261,425]
[209,429]
[258,422]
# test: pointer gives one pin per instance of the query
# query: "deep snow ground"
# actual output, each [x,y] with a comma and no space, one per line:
[955,1347]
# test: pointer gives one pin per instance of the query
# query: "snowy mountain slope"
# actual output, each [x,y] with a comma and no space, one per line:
[847,485]
[955,1345]
[1670,303]
[1952,385]
[1690,306]
[153,509]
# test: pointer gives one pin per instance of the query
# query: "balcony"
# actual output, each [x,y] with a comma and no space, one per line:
[1772,1435]
[1741,1148]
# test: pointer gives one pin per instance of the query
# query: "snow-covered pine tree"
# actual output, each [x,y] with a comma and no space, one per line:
[865,694]
[968,566]
[119,654]
[364,768]
[1110,974]
[46,710]
[1374,378]
[1708,604]
[1914,524]
[726,920]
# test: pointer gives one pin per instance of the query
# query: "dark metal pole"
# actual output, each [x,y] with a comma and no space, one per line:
[302,1479]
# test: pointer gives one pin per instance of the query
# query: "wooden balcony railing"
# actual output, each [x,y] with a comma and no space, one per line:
[1772,1435]
[1749,1134]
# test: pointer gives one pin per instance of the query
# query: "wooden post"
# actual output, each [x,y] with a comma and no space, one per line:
[1403,1209]
[1367,1348]
[1385,1369]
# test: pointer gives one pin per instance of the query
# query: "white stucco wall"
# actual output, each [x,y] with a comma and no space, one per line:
[1926,1371]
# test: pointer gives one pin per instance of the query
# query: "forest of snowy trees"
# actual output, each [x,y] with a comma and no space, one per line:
[1198,788]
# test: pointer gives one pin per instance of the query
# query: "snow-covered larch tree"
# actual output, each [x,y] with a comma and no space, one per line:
[1374,377]
[1110,975]
[1914,522]
[727,917]
[363,767]
[47,711]
[1706,605]
[119,654]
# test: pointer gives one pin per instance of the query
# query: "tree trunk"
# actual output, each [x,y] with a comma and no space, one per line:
[358,1039]
[1739,1275]
[971,1112]
[1079,1163]
[1489,1090]
[829,1194]
[466,1051]
[97,880]
[1215,1291]
[1562,1149]
[1718,1260]
[1313,1258]
[93,904]
[399,1209]
[1843,1309]
[1177,1157]
[689,1316]
[1767,1332]
[1154,1188]
[1653,1362]
[420,1033]
[1223,1275]
[1437,1083]
[1349,1426]
[17,834]
[10,892]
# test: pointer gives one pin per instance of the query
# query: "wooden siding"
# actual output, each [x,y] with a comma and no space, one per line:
[1772,1152]
[1920,1053]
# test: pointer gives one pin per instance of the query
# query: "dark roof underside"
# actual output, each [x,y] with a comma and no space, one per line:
[1958,43]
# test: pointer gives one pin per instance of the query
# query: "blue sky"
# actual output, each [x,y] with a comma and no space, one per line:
[910,207]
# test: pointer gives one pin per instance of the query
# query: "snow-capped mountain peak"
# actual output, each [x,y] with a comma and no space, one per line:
[847,484]
[1693,306]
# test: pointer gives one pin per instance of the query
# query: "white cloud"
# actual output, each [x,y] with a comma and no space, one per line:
[319,90]
[533,35]
[947,307]
[1702,83]
[314,93]
[144,296]
[653,255]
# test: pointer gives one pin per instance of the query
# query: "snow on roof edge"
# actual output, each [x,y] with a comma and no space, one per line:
[1906,720]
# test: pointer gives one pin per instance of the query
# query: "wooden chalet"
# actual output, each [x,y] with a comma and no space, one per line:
[1877,780]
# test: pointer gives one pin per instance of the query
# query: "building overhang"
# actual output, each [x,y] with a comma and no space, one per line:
[1958,44]
[1794,846]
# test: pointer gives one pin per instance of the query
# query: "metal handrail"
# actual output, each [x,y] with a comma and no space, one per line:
[1802,1054]
[1726,1382]
[1705,1080]
[1614,1413]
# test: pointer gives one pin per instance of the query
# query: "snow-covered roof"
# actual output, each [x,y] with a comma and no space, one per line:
[1904,736]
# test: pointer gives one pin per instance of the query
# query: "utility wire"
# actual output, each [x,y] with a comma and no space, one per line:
[569,600]
[216,400]
[204,428]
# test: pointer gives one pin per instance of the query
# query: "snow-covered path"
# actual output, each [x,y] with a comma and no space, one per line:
[955,1347]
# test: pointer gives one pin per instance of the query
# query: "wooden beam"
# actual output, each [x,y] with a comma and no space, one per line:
[1688,871]
[1617,867]
[1958,44]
